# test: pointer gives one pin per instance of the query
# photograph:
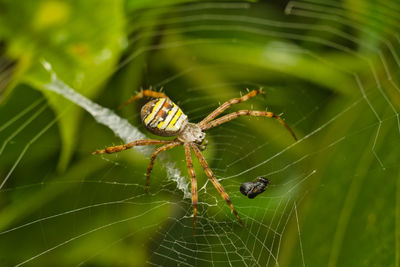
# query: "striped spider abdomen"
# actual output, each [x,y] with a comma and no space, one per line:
[163,117]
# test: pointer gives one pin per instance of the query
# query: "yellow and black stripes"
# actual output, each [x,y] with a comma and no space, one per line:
[163,117]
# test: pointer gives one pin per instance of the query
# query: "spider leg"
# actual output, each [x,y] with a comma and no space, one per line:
[192,174]
[254,113]
[215,182]
[144,142]
[153,157]
[144,93]
[227,104]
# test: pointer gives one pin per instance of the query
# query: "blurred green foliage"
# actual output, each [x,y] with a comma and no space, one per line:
[81,44]
[330,67]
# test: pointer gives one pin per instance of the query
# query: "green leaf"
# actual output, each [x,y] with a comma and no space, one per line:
[83,46]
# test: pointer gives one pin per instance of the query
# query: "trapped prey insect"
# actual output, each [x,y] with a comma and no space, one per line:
[253,189]
[163,117]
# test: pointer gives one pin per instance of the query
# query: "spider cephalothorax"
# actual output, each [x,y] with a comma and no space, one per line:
[162,117]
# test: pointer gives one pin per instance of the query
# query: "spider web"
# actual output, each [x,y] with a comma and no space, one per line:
[97,212]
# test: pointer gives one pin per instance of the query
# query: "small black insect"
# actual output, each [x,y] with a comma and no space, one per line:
[253,189]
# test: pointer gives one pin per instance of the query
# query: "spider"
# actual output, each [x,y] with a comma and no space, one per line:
[162,117]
